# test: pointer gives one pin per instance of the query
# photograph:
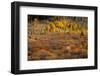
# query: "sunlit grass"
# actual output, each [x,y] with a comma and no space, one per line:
[59,38]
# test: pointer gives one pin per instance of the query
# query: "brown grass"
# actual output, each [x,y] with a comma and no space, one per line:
[47,42]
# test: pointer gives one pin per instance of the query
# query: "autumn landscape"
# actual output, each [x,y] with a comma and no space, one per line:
[57,37]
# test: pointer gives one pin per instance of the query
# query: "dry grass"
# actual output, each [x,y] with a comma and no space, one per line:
[58,39]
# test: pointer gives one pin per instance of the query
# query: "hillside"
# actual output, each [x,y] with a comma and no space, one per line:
[57,39]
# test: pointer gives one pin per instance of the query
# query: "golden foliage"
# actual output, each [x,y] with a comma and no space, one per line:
[57,39]
[58,25]
[66,27]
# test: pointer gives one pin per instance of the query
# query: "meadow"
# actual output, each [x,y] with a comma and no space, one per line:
[57,37]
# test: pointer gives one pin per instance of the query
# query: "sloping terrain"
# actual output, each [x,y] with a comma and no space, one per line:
[57,39]
[57,46]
